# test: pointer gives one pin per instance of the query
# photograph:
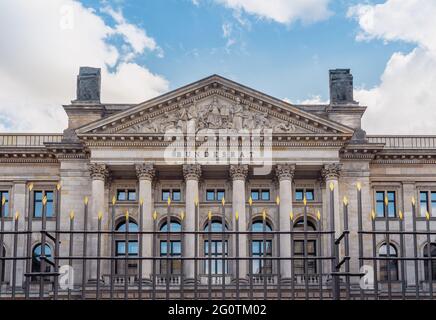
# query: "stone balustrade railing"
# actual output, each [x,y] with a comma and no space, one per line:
[28,140]
[405,142]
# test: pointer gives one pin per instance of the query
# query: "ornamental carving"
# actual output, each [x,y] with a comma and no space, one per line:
[98,171]
[213,114]
[145,171]
[238,172]
[285,171]
[331,171]
[192,171]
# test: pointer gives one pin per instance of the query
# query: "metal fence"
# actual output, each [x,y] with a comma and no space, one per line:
[319,258]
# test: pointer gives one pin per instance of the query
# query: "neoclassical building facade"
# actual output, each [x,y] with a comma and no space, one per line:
[207,184]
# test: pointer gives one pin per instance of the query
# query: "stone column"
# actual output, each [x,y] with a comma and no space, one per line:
[285,174]
[146,173]
[192,173]
[99,173]
[239,173]
[331,173]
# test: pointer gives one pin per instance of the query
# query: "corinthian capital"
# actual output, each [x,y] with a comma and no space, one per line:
[192,171]
[285,171]
[145,171]
[238,171]
[98,171]
[331,171]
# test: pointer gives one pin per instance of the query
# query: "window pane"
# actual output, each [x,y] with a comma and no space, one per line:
[38,195]
[37,209]
[255,195]
[132,195]
[176,248]
[210,195]
[49,209]
[220,195]
[4,195]
[391,196]
[133,248]
[49,195]
[165,195]
[310,195]
[121,195]
[163,247]
[299,195]
[265,195]
[380,195]
[176,195]
[380,209]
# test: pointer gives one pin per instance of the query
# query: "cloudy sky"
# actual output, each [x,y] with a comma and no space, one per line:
[281,47]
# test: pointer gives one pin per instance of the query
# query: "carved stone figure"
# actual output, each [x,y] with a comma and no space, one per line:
[237,113]
[287,127]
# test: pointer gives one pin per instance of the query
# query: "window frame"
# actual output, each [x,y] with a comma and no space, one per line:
[53,202]
[171,192]
[430,203]
[216,192]
[396,201]
[260,192]
[305,191]
[7,203]
[127,191]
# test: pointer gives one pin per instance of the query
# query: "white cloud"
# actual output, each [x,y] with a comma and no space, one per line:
[405,100]
[312,100]
[45,44]
[282,11]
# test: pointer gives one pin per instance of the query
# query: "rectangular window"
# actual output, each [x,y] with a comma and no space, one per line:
[216,264]
[380,204]
[210,195]
[165,195]
[423,203]
[4,210]
[38,197]
[260,195]
[131,195]
[265,195]
[214,195]
[259,251]
[177,196]
[121,195]
[300,193]
[433,204]
[300,266]
[220,194]
[126,195]
[175,250]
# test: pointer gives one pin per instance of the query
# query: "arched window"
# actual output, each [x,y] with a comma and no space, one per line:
[36,259]
[132,247]
[3,264]
[133,226]
[433,262]
[388,266]
[170,246]
[261,247]
[216,248]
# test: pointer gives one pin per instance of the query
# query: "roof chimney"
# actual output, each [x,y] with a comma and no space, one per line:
[89,85]
[341,87]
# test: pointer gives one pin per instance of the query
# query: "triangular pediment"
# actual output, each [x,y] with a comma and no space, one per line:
[214,103]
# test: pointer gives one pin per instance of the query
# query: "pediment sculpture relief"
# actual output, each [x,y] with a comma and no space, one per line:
[214,114]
